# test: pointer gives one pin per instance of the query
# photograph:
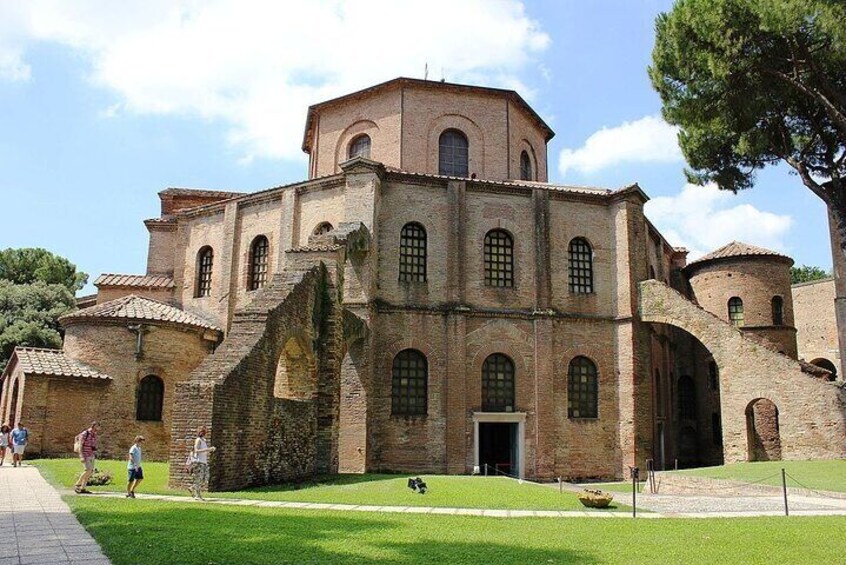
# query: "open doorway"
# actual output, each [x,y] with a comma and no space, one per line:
[498,447]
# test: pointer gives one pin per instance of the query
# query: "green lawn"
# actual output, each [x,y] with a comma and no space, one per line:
[372,489]
[151,532]
[819,474]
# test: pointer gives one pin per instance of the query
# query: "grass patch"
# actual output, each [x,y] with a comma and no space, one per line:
[822,474]
[163,533]
[373,489]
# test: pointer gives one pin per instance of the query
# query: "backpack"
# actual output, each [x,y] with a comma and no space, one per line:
[77,442]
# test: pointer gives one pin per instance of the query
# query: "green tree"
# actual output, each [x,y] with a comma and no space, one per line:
[807,273]
[36,288]
[28,265]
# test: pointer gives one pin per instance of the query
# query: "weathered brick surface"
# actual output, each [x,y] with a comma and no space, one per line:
[816,323]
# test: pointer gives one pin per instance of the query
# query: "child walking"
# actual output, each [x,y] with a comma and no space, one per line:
[136,474]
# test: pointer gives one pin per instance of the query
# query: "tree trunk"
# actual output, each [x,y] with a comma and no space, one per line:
[837,228]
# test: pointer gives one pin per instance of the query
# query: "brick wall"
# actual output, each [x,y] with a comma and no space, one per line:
[816,323]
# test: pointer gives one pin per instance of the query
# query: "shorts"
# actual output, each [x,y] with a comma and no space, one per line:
[18,449]
[88,462]
[136,474]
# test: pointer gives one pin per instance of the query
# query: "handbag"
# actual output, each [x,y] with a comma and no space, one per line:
[189,463]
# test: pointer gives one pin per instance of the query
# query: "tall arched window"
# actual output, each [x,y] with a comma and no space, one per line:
[412,265]
[582,389]
[499,259]
[258,263]
[778,310]
[322,228]
[526,167]
[453,154]
[205,263]
[581,266]
[360,147]
[498,384]
[735,307]
[687,398]
[150,398]
[409,383]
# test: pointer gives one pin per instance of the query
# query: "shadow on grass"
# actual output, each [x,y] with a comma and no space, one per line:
[323,480]
[157,534]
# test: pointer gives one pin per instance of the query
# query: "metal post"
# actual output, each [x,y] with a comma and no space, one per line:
[486,469]
[784,489]
[634,495]
[560,486]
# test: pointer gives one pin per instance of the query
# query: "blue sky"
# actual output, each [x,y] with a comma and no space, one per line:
[104,104]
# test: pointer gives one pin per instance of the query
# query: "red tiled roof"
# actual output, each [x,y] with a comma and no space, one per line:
[738,249]
[146,281]
[134,307]
[200,192]
[54,362]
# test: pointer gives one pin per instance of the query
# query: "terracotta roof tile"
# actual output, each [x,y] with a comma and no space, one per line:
[737,249]
[146,281]
[54,362]
[134,307]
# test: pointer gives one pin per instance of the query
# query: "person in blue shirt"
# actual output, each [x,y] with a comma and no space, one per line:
[20,436]
[136,474]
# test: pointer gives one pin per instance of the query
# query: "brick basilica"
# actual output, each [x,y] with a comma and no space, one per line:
[426,301]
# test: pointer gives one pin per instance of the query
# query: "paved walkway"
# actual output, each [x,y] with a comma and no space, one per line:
[696,506]
[38,527]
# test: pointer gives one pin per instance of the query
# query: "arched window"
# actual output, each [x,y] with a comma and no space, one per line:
[498,384]
[499,259]
[409,383]
[360,146]
[582,389]
[687,398]
[322,228]
[150,398]
[453,152]
[827,365]
[412,265]
[258,263]
[581,266]
[205,262]
[735,306]
[713,376]
[778,310]
[651,272]
[526,167]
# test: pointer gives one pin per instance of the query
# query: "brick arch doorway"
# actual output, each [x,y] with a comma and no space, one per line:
[296,372]
[762,430]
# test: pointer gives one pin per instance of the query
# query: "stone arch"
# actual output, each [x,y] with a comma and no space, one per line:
[824,363]
[296,373]
[763,430]
[475,139]
[14,402]
[368,127]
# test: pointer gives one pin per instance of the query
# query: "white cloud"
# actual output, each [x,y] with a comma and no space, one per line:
[256,66]
[649,139]
[704,218]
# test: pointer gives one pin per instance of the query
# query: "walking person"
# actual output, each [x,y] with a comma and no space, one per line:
[20,437]
[5,441]
[88,457]
[136,474]
[201,463]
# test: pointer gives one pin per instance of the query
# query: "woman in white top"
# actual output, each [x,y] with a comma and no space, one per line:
[5,441]
[201,463]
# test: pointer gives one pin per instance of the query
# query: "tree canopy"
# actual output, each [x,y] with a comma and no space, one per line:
[807,273]
[36,288]
[755,82]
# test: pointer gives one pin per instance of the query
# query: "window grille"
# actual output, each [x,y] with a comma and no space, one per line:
[499,259]
[258,263]
[409,376]
[360,146]
[735,308]
[498,384]
[150,399]
[412,267]
[453,154]
[205,262]
[582,389]
[581,267]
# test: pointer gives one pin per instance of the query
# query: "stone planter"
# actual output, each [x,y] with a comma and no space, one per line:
[595,498]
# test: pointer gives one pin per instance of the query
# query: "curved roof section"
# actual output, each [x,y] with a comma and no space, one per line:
[53,362]
[738,249]
[139,309]
[404,81]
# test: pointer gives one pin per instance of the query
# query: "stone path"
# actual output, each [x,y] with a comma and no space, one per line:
[698,506]
[38,527]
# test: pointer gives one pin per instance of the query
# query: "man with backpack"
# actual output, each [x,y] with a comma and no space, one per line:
[20,437]
[87,442]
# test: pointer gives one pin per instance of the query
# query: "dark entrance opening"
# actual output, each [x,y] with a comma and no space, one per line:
[498,448]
